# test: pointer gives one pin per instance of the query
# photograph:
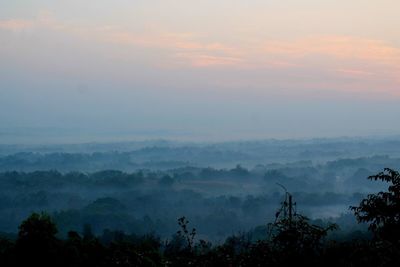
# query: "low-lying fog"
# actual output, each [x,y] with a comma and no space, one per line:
[222,188]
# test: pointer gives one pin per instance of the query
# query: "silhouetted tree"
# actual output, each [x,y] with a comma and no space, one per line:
[37,243]
[382,210]
[185,233]
[299,235]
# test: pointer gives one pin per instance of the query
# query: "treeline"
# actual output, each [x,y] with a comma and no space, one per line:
[38,245]
[290,240]
[145,201]
[169,155]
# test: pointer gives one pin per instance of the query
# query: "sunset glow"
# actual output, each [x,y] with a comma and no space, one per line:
[325,50]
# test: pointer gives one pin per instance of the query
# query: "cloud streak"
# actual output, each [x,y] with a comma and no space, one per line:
[346,61]
[16,24]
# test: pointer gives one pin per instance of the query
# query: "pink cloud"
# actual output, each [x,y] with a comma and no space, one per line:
[201,60]
[341,47]
[346,63]
[16,24]
[182,48]
[352,72]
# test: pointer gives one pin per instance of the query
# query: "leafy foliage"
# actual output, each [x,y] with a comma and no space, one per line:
[295,241]
[382,210]
[299,235]
[37,242]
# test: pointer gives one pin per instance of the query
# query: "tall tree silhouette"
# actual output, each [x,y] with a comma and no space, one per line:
[37,243]
[382,210]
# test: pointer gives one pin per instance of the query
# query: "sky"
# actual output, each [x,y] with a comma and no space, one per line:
[73,71]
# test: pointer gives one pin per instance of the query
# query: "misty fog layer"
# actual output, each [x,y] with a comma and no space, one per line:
[142,187]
